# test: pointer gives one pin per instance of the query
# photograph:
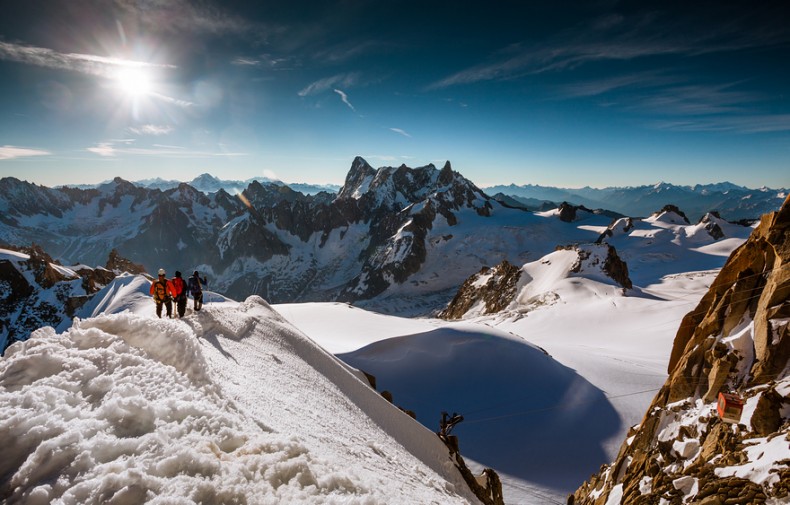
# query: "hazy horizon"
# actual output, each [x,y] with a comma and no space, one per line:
[152,180]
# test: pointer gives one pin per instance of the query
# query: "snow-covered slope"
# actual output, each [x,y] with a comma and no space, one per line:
[542,422]
[228,405]
[615,343]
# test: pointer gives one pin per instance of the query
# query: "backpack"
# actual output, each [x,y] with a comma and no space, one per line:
[194,285]
[178,287]
[160,290]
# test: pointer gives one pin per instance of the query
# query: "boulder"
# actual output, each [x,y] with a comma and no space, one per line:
[767,415]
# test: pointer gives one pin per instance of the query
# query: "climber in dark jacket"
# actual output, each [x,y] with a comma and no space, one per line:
[180,294]
[195,286]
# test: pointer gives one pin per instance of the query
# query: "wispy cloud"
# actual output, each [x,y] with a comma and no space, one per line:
[174,101]
[152,129]
[85,63]
[348,50]
[612,38]
[186,16]
[596,87]
[746,124]
[400,132]
[344,97]
[103,149]
[246,62]
[111,150]
[697,100]
[346,80]
[11,152]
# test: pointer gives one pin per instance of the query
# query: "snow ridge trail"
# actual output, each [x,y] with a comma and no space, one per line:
[228,405]
[290,384]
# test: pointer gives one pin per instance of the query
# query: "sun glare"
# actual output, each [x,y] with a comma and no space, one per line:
[134,81]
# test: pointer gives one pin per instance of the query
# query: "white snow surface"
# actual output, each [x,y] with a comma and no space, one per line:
[228,405]
[304,429]
[545,423]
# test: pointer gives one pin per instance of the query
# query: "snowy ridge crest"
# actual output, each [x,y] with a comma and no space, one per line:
[509,289]
[211,408]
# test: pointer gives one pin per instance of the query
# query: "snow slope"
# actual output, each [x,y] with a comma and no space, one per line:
[228,405]
[544,424]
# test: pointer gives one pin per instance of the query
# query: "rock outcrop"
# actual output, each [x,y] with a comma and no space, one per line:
[493,287]
[610,263]
[736,340]
[118,264]
[672,210]
[493,290]
[36,291]
[714,230]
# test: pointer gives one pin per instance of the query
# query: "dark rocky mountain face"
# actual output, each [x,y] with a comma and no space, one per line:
[736,341]
[36,291]
[495,287]
[269,240]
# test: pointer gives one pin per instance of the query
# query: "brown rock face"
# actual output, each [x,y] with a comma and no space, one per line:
[118,264]
[40,264]
[616,268]
[754,283]
[735,340]
[497,292]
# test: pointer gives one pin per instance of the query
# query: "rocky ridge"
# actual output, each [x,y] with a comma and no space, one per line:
[493,290]
[735,341]
[37,291]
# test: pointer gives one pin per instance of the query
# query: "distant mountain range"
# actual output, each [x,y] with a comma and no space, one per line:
[395,239]
[730,201]
[207,183]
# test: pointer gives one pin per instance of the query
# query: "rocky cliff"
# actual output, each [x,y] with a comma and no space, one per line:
[735,341]
[36,291]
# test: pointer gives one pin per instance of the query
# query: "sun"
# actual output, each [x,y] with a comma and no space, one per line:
[133,81]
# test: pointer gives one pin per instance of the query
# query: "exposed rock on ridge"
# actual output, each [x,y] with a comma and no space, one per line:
[35,291]
[494,287]
[492,290]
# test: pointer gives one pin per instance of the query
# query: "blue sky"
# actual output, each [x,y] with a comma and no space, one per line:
[598,93]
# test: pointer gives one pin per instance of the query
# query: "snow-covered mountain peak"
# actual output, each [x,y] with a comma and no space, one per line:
[186,195]
[117,186]
[358,179]
[21,198]
[670,215]
[561,275]
[395,188]
[206,183]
